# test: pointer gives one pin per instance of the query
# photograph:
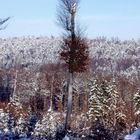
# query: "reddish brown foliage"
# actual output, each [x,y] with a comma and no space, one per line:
[75,54]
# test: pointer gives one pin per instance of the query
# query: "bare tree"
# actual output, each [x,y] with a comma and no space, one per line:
[2,22]
[74,48]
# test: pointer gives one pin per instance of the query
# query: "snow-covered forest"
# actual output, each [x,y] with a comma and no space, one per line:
[34,91]
[69,87]
[110,56]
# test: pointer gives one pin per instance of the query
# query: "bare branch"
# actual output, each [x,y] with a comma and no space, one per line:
[67,8]
[2,22]
[64,20]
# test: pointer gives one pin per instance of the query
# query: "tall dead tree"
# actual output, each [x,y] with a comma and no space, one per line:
[74,48]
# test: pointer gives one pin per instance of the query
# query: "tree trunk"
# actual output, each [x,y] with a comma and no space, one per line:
[51,93]
[15,83]
[69,102]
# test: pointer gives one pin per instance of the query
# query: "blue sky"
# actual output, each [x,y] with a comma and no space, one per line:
[110,18]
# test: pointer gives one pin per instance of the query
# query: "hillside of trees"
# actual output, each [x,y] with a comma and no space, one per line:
[68,87]
[33,87]
[108,56]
